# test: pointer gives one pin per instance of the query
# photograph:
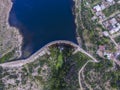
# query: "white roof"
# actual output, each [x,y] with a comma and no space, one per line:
[97,8]
[119,27]
[110,0]
[113,21]
[108,55]
[103,7]
[112,31]
[105,33]
[116,29]
[118,24]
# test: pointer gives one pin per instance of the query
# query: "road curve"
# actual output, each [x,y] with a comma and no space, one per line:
[43,51]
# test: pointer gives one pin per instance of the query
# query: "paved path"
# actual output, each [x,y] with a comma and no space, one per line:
[116,61]
[86,53]
[116,35]
[81,71]
[112,15]
[113,41]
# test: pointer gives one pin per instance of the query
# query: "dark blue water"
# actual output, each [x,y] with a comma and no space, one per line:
[43,21]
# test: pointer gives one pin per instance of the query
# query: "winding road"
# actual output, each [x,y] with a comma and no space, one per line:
[42,52]
[79,73]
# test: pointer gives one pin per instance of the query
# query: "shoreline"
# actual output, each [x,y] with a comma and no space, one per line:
[75,34]
[44,50]
[76,14]
[18,35]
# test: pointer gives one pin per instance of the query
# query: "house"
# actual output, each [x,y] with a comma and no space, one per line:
[105,33]
[113,21]
[97,8]
[110,1]
[112,25]
[101,47]
[108,55]
[103,6]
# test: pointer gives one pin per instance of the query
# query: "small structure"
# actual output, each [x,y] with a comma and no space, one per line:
[105,33]
[97,8]
[108,55]
[98,11]
[112,25]
[101,6]
[101,50]
[101,47]
[110,1]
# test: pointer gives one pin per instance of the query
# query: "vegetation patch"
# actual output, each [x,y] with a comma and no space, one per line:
[7,56]
[102,76]
[64,68]
[112,9]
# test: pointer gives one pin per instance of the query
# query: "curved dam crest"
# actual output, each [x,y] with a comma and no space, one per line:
[42,21]
[45,50]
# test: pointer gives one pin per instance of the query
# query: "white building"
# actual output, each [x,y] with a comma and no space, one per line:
[110,1]
[97,8]
[105,33]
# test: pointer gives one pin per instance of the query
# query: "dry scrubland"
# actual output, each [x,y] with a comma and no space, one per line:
[10,38]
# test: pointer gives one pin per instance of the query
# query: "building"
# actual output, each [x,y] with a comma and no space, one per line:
[105,33]
[97,8]
[112,25]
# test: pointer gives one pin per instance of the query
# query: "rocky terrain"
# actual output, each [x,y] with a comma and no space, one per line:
[47,72]
[10,38]
[62,68]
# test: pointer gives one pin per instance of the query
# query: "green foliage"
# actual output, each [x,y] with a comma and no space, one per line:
[92,2]
[57,65]
[64,68]
[112,9]
[61,64]
[103,73]
[39,78]
[80,59]
[115,79]
[103,41]
[86,15]
[7,56]
[103,65]
[117,39]
[59,61]
[1,85]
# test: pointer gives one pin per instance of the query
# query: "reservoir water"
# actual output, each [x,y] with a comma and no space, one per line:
[42,21]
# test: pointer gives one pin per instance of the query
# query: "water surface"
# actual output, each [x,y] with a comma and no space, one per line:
[42,21]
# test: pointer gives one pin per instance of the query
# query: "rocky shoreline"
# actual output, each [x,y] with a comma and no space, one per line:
[76,13]
[12,35]
[16,37]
